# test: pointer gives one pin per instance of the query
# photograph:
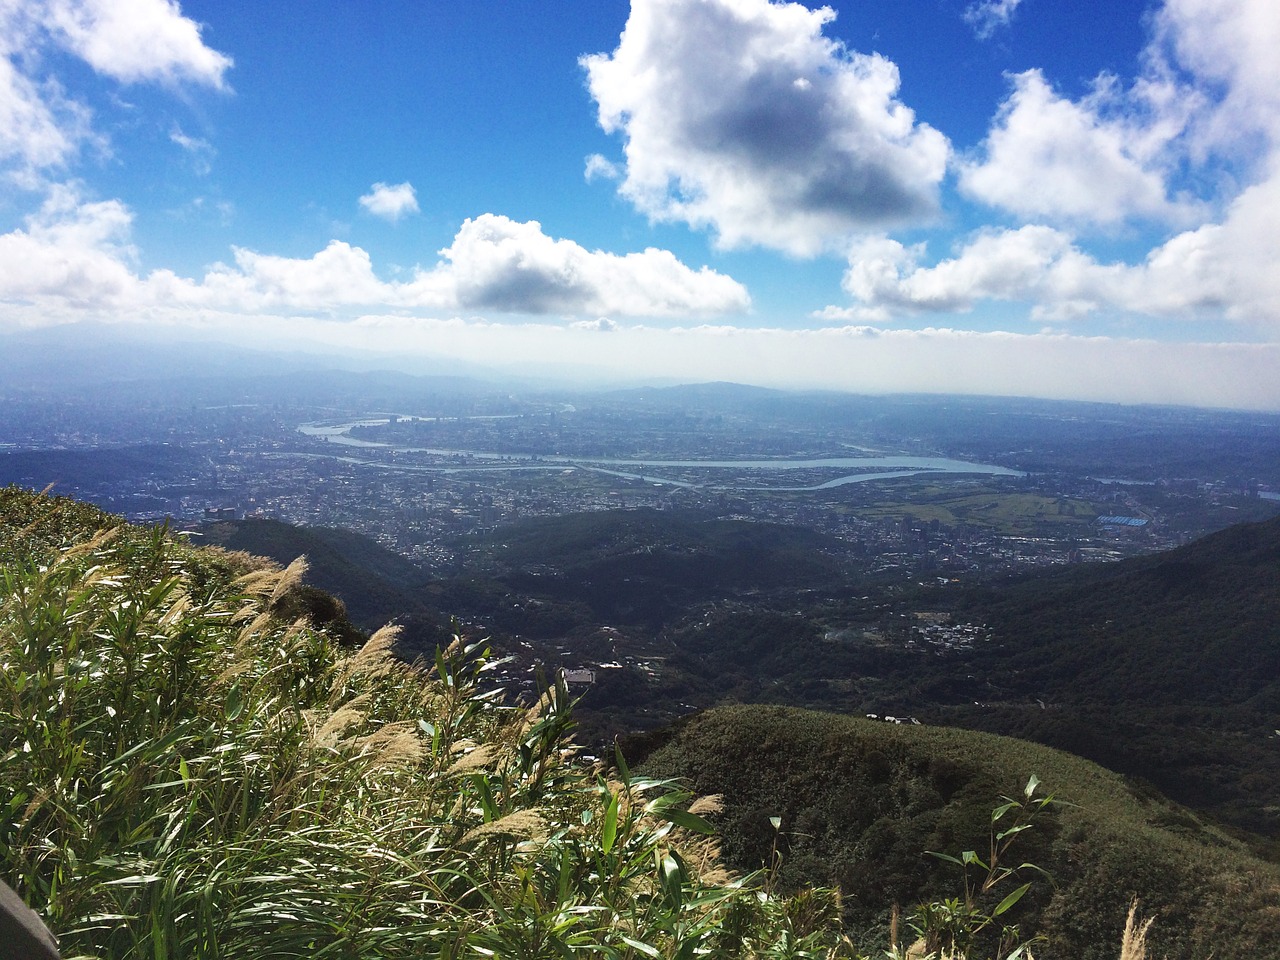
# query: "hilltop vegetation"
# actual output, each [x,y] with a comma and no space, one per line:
[186,773]
[194,764]
[646,566]
[375,585]
[860,800]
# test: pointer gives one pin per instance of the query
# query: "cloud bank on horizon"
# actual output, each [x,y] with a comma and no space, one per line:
[778,206]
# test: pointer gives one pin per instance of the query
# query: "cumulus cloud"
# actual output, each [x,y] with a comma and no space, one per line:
[136,40]
[741,116]
[130,41]
[988,16]
[70,253]
[75,256]
[390,201]
[496,263]
[1093,161]
[1229,46]
[1222,269]
[884,276]
[1203,113]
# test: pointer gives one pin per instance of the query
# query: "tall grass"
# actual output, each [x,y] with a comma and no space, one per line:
[185,774]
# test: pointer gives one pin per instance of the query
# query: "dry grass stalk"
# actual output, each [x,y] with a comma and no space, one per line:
[394,743]
[249,633]
[232,671]
[703,855]
[180,606]
[1133,946]
[342,720]
[372,660]
[239,561]
[535,712]
[479,759]
[100,539]
[705,806]
[259,583]
[520,825]
[290,578]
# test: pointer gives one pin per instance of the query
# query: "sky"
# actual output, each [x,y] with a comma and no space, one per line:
[1008,197]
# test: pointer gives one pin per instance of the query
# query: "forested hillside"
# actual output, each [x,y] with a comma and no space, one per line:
[859,801]
[1167,667]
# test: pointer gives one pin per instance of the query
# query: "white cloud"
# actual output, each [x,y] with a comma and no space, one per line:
[39,126]
[136,40]
[600,168]
[42,126]
[884,276]
[1094,161]
[599,325]
[71,254]
[390,201]
[199,150]
[75,258]
[742,116]
[338,276]
[987,16]
[1203,113]
[1225,269]
[495,263]
[1230,48]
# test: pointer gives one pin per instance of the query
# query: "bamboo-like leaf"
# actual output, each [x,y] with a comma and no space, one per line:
[609,831]
[1010,900]
[690,821]
[1004,808]
[646,949]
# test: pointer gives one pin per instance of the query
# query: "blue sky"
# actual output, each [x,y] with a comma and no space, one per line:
[1020,197]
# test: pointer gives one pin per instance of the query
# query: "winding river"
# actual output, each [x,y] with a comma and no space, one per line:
[870,468]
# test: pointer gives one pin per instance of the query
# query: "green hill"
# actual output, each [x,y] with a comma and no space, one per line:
[647,566]
[1166,667]
[1144,630]
[860,800]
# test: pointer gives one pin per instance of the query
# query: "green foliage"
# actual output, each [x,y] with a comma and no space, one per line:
[185,774]
[860,800]
[645,567]
[374,584]
[188,770]
[957,925]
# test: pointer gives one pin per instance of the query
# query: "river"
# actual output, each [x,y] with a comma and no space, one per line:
[870,468]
